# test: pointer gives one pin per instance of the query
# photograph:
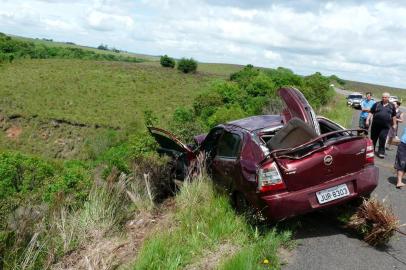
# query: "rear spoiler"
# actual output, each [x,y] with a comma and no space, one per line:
[354,133]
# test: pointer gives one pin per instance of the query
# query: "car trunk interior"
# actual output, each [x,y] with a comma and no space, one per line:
[305,166]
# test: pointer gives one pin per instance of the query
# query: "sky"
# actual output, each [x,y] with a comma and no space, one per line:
[356,40]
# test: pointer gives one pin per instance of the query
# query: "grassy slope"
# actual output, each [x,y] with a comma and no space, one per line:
[106,93]
[377,90]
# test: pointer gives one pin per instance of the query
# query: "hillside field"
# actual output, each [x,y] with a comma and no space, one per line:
[86,98]
[375,89]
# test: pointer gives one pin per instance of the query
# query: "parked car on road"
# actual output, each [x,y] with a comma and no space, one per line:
[282,165]
[393,98]
[354,100]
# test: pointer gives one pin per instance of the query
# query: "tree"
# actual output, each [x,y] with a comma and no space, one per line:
[103,47]
[187,65]
[167,61]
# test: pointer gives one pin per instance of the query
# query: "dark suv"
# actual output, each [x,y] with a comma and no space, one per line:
[283,165]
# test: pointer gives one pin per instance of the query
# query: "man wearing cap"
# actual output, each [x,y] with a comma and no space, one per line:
[384,116]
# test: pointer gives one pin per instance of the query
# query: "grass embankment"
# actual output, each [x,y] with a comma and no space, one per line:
[338,111]
[206,233]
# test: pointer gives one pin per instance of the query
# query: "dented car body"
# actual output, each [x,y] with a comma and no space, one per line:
[282,165]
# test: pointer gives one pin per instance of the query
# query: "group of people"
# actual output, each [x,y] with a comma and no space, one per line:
[383,118]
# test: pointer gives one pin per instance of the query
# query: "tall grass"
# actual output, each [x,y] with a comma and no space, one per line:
[203,221]
[338,111]
[102,216]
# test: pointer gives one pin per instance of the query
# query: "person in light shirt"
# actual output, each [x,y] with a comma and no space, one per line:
[366,105]
[400,161]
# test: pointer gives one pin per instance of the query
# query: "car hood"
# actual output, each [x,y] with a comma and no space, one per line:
[296,105]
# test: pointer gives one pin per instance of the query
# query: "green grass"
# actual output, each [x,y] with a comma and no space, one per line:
[338,111]
[105,93]
[222,70]
[110,95]
[202,222]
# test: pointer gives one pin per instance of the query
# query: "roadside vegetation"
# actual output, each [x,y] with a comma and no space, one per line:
[11,49]
[207,234]
[338,111]
[79,172]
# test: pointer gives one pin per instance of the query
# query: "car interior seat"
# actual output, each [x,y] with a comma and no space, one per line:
[294,133]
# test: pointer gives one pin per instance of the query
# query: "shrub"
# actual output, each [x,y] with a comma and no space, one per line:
[317,89]
[230,92]
[245,76]
[208,101]
[141,144]
[185,124]
[21,173]
[167,61]
[335,78]
[261,85]
[187,65]
[73,182]
[225,114]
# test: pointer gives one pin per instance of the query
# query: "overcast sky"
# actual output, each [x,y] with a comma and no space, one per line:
[357,40]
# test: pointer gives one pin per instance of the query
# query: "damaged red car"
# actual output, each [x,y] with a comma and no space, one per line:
[282,165]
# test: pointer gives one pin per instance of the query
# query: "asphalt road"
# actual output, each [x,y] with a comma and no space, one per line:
[324,244]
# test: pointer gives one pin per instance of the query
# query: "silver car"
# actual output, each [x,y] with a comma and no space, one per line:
[354,100]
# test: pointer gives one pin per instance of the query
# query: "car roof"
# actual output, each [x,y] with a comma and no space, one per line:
[257,122]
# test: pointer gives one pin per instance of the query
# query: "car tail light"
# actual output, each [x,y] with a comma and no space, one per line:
[269,178]
[369,157]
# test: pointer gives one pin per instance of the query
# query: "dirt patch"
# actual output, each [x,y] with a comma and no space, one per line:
[118,251]
[212,259]
[285,256]
[14,132]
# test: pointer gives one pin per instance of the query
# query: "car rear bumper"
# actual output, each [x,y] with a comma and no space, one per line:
[289,204]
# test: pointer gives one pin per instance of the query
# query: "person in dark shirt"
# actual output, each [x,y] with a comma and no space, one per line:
[384,116]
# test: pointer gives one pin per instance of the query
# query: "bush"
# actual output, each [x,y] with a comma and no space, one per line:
[225,114]
[73,182]
[187,65]
[167,61]
[208,101]
[185,124]
[21,173]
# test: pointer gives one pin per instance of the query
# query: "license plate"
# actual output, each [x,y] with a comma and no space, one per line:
[333,193]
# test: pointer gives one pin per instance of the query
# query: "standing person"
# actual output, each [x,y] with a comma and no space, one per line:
[393,132]
[400,161]
[384,115]
[366,105]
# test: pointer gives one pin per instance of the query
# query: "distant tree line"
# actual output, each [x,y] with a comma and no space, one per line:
[185,65]
[11,49]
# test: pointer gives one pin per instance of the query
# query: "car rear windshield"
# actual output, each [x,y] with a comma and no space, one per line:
[355,96]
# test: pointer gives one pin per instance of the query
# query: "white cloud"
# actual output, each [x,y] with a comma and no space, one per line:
[359,40]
